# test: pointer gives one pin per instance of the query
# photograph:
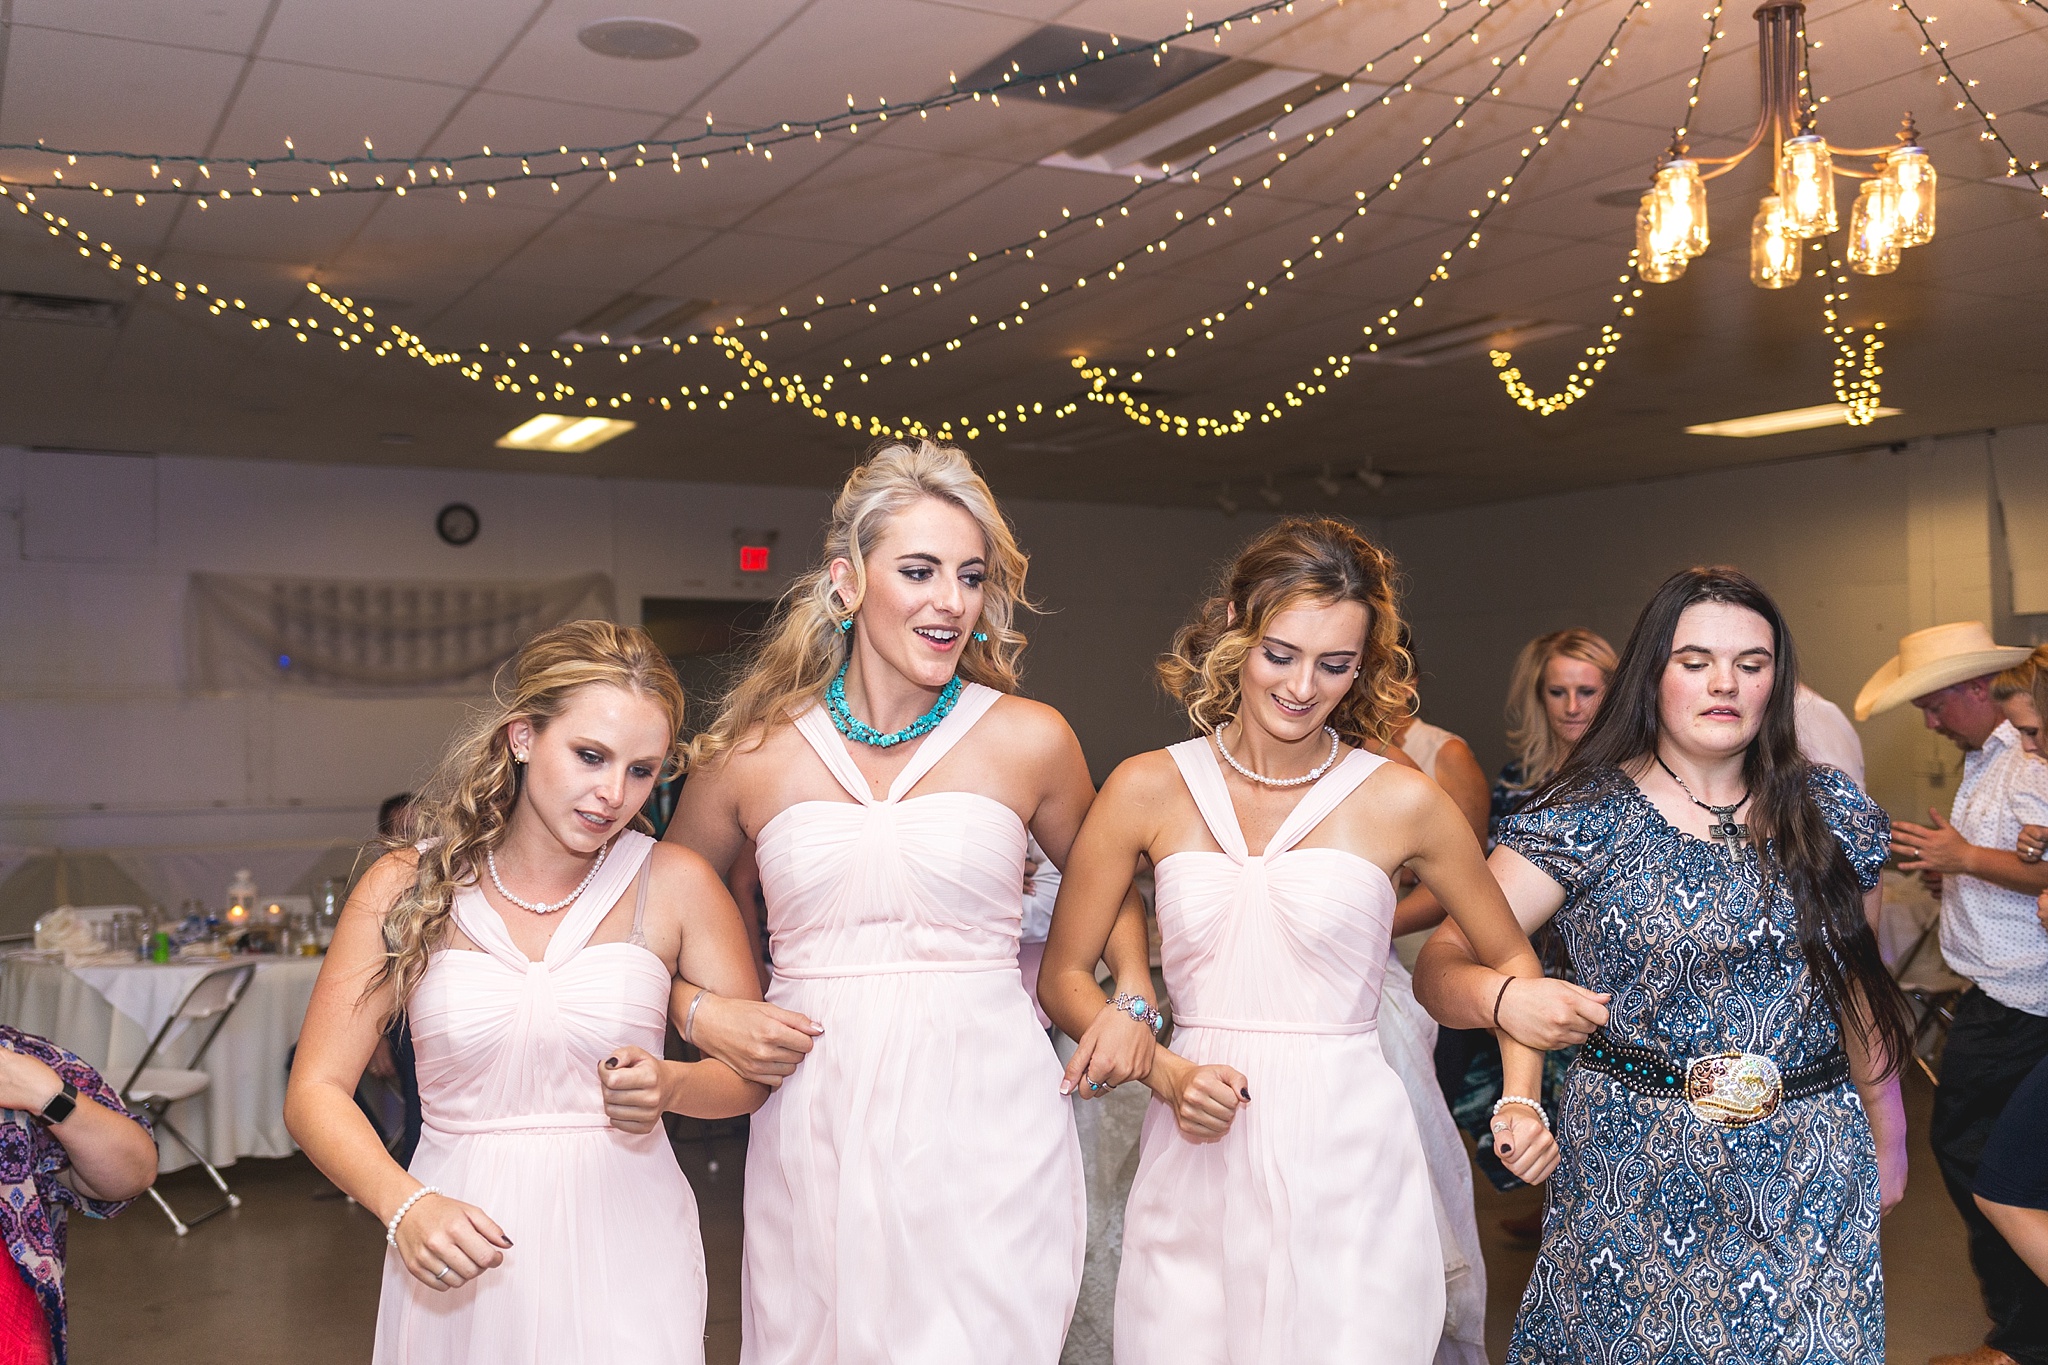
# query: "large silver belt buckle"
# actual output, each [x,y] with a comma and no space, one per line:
[1733,1089]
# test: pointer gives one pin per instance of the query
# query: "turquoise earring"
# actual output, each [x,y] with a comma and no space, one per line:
[845,625]
[982,636]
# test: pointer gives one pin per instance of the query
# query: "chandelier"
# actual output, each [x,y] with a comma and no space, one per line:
[1894,205]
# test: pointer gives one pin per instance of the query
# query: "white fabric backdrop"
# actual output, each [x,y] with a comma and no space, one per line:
[362,634]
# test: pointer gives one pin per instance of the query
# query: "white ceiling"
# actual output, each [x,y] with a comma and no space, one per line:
[840,216]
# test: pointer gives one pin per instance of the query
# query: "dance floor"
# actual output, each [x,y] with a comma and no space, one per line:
[292,1275]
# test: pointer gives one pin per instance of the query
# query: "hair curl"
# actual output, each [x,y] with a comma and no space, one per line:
[2029,676]
[1535,745]
[803,646]
[465,809]
[1297,560]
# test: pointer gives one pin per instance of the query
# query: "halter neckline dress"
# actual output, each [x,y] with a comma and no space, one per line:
[914,1191]
[607,1264]
[1307,1233]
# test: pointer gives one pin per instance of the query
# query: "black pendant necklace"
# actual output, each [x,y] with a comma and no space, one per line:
[1732,835]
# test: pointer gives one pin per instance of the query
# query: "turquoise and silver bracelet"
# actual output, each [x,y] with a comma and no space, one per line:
[1140,1009]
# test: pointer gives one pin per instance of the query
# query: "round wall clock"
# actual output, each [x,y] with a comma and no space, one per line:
[457,523]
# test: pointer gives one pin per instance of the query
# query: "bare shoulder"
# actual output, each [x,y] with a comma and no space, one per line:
[1144,779]
[1029,728]
[1395,790]
[386,880]
[681,871]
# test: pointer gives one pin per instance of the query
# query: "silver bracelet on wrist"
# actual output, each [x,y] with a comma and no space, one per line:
[1140,1009]
[391,1228]
[1505,1100]
[690,1016]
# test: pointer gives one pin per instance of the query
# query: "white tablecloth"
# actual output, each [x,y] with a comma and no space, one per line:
[107,1015]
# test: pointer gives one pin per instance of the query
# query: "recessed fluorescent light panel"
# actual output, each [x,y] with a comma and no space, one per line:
[1776,423]
[553,431]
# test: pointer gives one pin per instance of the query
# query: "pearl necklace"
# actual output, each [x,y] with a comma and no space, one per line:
[542,907]
[1265,781]
[858,730]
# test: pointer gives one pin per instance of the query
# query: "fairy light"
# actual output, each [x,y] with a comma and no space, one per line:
[1938,49]
[1593,359]
[759,140]
[1106,215]
[1335,368]
[1857,376]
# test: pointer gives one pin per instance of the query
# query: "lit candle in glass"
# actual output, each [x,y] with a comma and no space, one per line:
[1874,228]
[1911,171]
[1806,186]
[1773,252]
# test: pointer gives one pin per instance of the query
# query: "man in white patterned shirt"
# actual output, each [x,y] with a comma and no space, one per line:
[1990,933]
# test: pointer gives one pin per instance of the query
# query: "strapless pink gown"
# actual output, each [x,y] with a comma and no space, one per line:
[914,1191]
[1307,1233]
[607,1267]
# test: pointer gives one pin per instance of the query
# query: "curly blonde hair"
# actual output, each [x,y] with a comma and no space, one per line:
[803,646]
[1298,560]
[1535,747]
[464,811]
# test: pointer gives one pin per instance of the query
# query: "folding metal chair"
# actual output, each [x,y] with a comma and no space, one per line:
[1924,978]
[154,1089]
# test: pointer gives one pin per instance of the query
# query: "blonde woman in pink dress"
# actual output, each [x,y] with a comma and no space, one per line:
[914,1190]
[1282,1211]
[533,938]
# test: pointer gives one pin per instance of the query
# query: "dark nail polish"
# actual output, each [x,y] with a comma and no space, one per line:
[1245,1091]
[611,1064]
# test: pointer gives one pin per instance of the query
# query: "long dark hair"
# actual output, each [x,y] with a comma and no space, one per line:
[1793,838]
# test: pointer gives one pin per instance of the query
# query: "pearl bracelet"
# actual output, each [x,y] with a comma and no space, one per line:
[1140,1009]
[1505,1100]
[391,1228]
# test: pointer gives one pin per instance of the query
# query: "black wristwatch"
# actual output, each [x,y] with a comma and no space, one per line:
[61,1104]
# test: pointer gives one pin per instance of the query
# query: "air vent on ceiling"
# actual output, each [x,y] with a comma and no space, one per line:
[637,319]
[1467,339]
[1116,83]
[644,40]
[61,308]
[1200,119]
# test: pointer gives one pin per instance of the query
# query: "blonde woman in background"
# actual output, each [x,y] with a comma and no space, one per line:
[532,938]
[1555,690]
[914,1187]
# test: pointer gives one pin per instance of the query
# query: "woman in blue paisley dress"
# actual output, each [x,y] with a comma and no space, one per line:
[1732,1130]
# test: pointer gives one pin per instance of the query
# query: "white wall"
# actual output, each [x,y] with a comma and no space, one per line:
[105,744]
[1858,549]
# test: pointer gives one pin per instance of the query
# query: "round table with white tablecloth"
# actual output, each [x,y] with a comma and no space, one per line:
[108,1013]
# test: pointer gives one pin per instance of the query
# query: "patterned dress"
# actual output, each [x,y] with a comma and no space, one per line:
[34,1204]
[1668,1238]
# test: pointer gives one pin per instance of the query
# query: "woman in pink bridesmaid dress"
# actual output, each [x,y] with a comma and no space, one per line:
[1281,1213]
[914,1189]
[544,1218]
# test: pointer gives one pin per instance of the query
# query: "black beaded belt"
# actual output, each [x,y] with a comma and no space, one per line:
[1730,1088]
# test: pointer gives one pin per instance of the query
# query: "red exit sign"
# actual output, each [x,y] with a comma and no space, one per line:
[754,559]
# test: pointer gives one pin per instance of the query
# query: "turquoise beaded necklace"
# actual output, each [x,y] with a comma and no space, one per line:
[846,723]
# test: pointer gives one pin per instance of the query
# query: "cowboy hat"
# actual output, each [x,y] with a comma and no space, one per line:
[1931,659]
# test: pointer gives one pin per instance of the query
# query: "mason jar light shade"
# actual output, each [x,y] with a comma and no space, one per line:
[1773,251]
[1681,208]
[1658,259]
[1874,228]
[1911,170]
[1806,186]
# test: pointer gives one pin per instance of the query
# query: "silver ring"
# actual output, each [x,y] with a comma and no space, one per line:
[442,1271]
